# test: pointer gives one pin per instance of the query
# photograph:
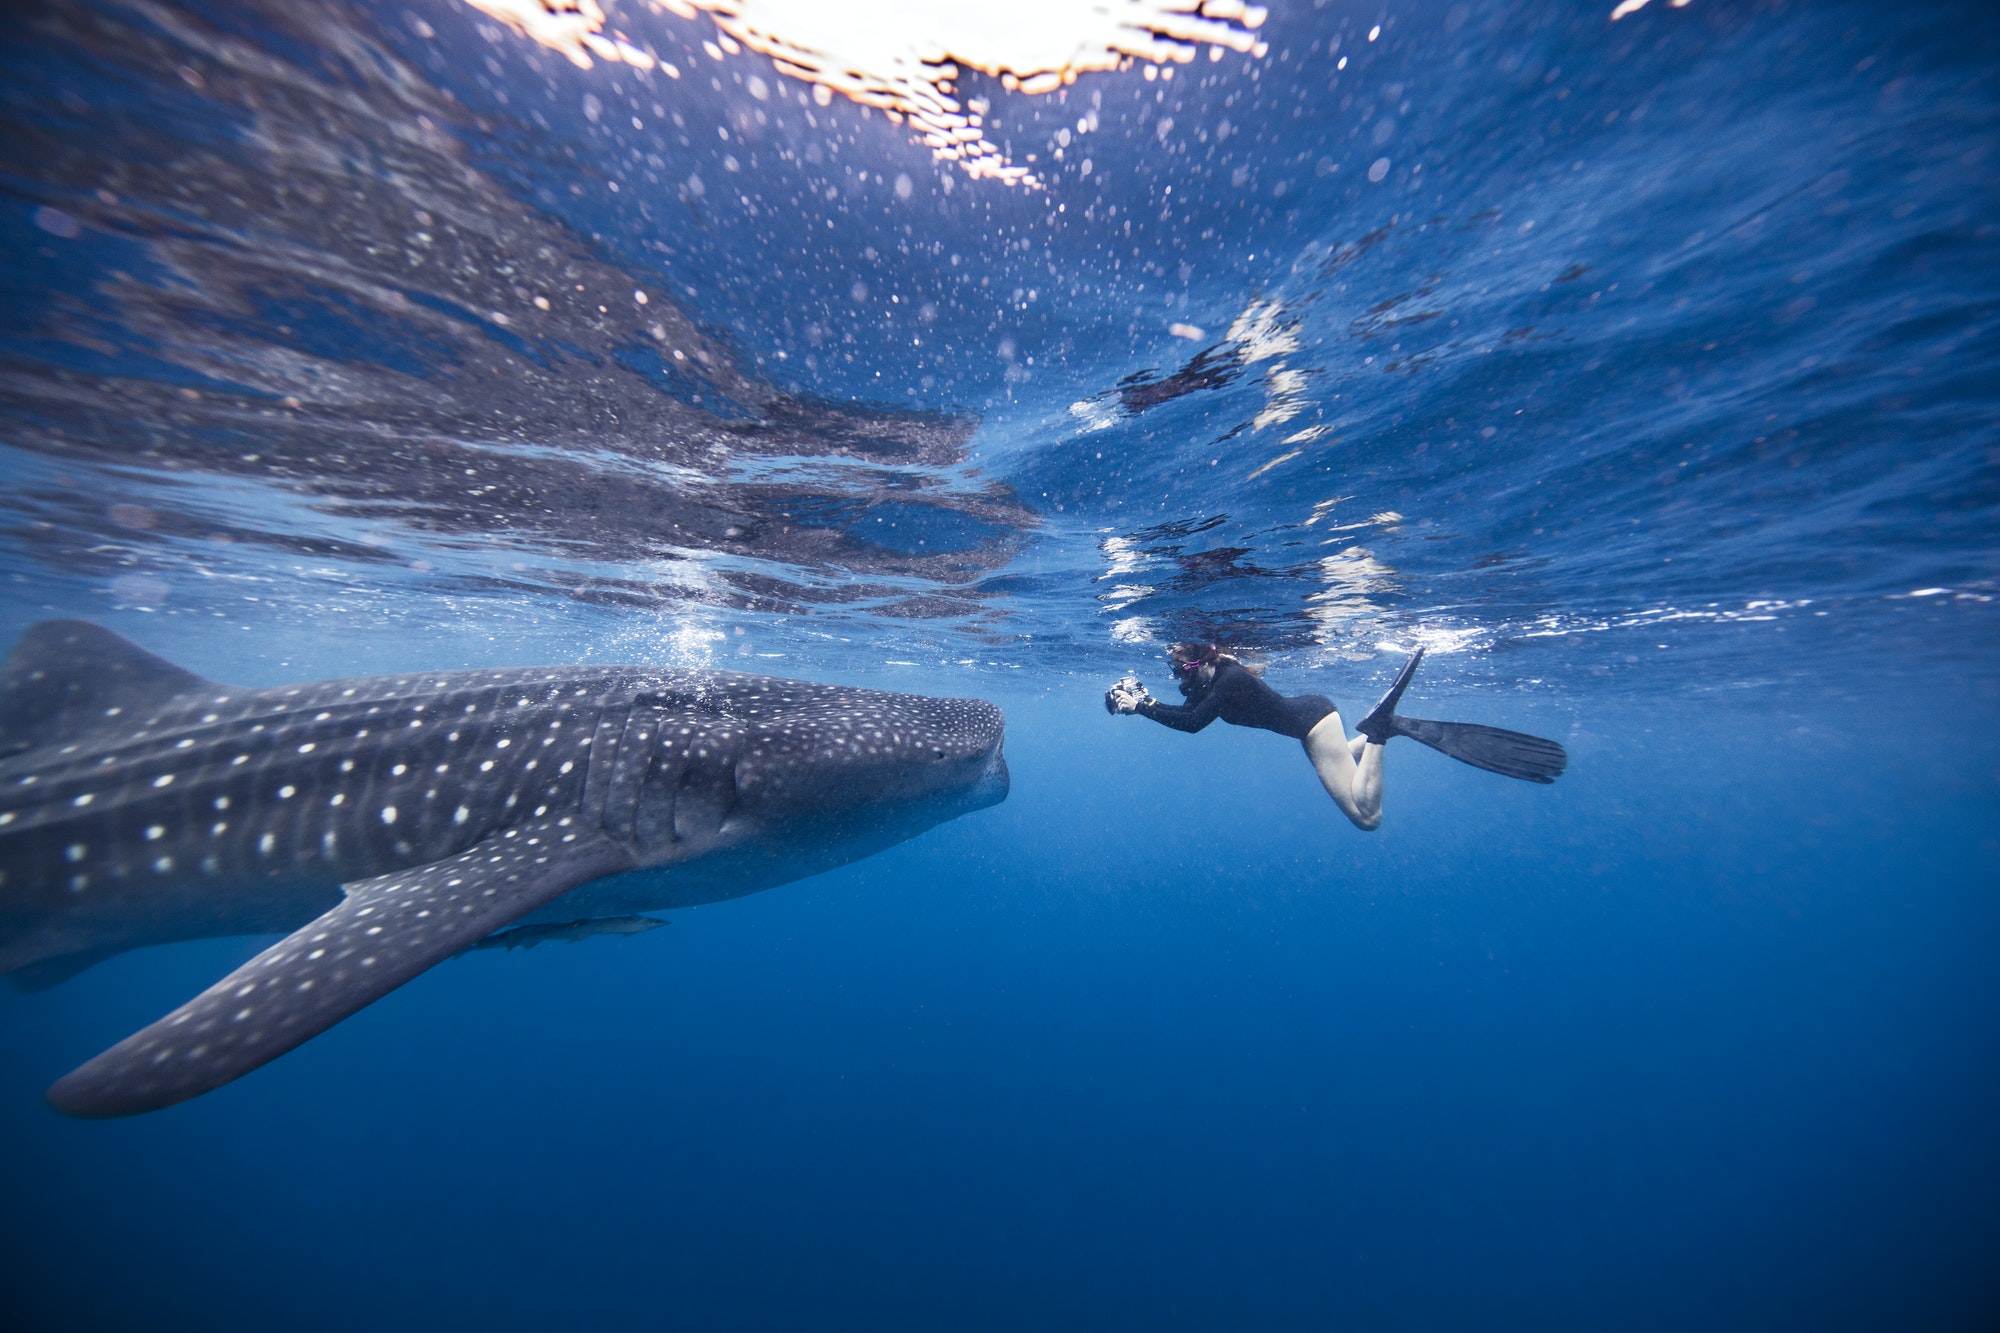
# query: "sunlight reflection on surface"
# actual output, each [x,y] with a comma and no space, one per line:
[903,56]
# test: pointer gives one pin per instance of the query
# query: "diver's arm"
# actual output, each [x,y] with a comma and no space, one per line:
[1184,717]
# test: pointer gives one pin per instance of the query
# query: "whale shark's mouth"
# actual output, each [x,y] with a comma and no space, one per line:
[993,784]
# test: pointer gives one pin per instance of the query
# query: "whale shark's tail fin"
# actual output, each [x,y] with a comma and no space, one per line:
[1514,754]
[66,677]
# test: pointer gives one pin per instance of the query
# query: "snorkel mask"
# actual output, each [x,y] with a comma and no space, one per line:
[1186,667]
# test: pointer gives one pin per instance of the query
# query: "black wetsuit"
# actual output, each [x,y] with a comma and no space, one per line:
[1238,695]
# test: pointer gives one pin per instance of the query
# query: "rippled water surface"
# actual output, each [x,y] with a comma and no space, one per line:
[1521,323]
[1645,370]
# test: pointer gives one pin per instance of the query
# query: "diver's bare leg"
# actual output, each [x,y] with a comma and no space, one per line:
[1350,772]
[1368,785]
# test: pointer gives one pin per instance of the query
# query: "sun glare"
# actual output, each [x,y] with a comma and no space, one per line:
[904,57]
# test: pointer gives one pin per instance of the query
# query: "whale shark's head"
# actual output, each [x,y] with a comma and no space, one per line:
[777,757]
[874,749]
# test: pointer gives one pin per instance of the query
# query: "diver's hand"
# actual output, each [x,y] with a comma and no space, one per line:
[1127,696]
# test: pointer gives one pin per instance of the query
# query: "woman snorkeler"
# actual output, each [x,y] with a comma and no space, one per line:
[1216,685]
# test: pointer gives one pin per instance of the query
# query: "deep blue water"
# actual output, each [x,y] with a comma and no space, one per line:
[1647,372]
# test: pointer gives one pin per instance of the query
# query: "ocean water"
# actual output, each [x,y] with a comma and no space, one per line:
[1644,370]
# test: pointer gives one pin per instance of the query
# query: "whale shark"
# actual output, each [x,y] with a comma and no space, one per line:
[570,932]
[387,823]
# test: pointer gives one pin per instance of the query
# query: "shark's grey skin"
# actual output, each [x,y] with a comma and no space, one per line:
[569,932]
[390,822]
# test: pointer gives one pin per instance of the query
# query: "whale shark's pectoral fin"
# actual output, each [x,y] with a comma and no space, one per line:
[388,930]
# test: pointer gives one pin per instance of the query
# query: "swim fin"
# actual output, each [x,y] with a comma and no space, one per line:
[1380,724]
[1513,754]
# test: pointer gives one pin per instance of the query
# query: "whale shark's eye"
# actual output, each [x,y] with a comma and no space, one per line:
[938,753]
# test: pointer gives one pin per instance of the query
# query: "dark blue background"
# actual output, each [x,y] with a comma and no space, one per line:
[1702,1036]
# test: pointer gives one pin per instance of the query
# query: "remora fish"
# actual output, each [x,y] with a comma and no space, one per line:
[390,822]
[569,932]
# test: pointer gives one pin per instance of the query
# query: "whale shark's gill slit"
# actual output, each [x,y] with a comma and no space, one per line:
[706,790]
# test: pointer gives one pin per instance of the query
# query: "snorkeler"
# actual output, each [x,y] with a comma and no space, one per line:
[1218,685]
